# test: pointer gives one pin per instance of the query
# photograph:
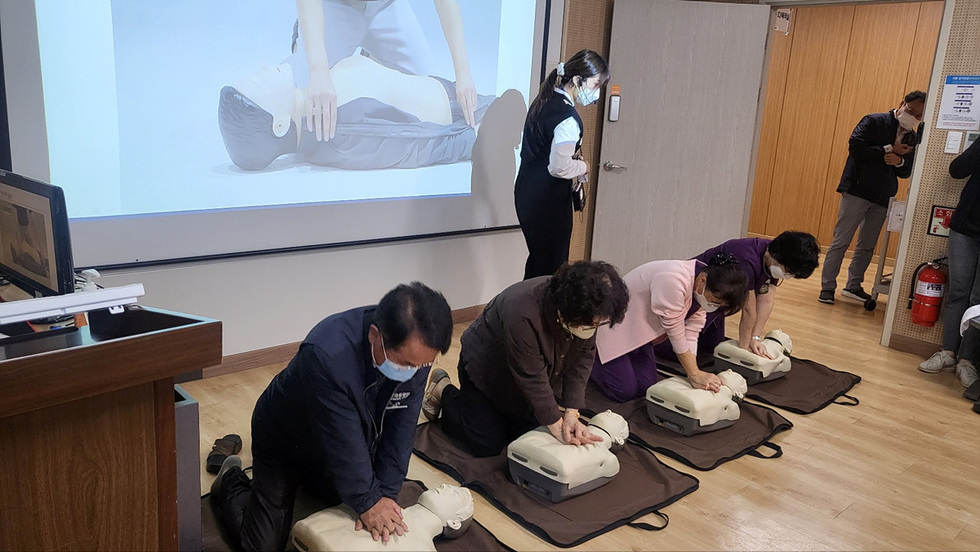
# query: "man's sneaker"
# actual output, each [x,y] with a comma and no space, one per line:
[432,404]
[826,296]
[857,294]
[939,362]
[967,372]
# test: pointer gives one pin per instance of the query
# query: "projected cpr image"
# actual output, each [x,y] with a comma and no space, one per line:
[228,105]
[28,248]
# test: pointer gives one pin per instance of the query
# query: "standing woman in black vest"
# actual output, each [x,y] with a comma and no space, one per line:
[551,157]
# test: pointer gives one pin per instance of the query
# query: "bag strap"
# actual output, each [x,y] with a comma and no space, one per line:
[853,401]
[649,527]
[778,450]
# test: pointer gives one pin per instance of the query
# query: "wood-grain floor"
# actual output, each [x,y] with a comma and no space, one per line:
[901,471]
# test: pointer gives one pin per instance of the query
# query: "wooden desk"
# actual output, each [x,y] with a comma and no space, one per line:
[87,447]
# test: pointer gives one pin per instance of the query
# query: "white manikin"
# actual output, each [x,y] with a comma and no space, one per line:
[573,465]
[708,407]
[776,342]
[446,510]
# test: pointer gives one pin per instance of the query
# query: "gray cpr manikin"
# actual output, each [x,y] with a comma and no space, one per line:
[754,368]
[675,405]
[446,510]
[542,464]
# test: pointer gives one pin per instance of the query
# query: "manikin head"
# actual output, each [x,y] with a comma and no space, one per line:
[779,336]
[272,88]
[451,504]
[735,382]
[611,427]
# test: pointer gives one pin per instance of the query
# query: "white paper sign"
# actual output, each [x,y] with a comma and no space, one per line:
[782,20]
[960,106]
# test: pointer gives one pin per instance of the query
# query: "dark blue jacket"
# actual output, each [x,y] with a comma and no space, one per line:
[332,411]
[966,217]
[865,173]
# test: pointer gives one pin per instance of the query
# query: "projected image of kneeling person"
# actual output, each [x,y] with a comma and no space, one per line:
[385,119]
[526,360]
[668,302]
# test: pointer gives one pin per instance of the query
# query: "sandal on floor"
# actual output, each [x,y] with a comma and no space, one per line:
[223,448]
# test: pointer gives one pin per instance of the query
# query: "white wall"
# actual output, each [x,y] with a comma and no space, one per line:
[276,299]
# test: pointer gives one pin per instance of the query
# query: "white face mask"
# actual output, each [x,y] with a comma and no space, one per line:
[706,305]
[587,96]
[778,273]
[906,119]
[581,332]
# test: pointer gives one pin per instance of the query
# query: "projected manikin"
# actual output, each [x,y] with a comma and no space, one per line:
[445,511]
[358,94]
[386,119]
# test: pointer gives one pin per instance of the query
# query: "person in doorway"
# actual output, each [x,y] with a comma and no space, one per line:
[668,302]
[533,341]
[339,419]
[959,355]
[551,158]
[767,263]
[880,151]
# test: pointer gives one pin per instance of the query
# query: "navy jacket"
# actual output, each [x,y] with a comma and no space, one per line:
[966,217]
[332,411]
[865,173]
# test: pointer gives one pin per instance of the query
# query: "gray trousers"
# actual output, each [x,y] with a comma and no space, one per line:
[854,212]
[962,292]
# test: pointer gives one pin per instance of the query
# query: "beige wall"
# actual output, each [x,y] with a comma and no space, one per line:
[932,184]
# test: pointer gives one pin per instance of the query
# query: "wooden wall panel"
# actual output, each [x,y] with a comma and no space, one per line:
[806,128]
[588,24]
[103,449]
[780,47]
[878,55]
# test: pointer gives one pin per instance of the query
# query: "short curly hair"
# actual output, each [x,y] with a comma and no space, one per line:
[587,291]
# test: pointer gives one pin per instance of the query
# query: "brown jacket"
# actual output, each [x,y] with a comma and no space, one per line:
[517,353]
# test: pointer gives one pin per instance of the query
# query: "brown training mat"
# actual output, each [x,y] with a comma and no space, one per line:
[475,538]
[808,387]
[705,451]
[644,485]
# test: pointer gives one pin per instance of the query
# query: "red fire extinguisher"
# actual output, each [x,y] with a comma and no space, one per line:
[926,295]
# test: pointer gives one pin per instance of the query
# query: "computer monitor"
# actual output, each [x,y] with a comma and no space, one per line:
[35,243]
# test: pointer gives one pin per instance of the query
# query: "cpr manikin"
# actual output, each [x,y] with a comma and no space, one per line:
[445,511]
[754,368]
[542,464]
[385,119]
[674,404]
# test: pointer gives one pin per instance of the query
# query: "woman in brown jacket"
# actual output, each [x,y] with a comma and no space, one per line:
[530,351]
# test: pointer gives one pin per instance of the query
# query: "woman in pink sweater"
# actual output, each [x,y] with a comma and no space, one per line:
[662,295]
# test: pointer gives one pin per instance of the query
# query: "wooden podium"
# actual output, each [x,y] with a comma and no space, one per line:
[87,447]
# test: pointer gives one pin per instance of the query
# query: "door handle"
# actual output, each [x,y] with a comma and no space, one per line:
[613,167]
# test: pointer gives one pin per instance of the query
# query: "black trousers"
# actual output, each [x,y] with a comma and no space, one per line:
[545,213]
[257,514]
[468,416]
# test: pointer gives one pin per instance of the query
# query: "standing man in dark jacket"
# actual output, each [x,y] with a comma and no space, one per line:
[964,276]
[534,340]
[340,419]
[880,151]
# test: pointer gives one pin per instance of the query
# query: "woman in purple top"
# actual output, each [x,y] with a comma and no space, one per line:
[766,262]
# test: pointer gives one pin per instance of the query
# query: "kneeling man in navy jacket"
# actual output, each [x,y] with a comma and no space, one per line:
[339,419]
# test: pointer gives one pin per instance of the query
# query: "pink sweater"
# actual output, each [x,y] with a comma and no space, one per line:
[660,297]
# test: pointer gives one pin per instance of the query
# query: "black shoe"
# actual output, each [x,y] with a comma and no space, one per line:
[232,461]
[972,393]
[976,407]
[856,294]
[826,296]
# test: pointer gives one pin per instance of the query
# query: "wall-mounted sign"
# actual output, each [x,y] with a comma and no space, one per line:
[782,20]
[960,106]
[939,224]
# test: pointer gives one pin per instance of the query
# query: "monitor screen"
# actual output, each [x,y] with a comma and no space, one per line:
[35,244]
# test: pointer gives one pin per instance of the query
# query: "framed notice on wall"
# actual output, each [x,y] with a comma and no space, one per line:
[939,222]
[959,108]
